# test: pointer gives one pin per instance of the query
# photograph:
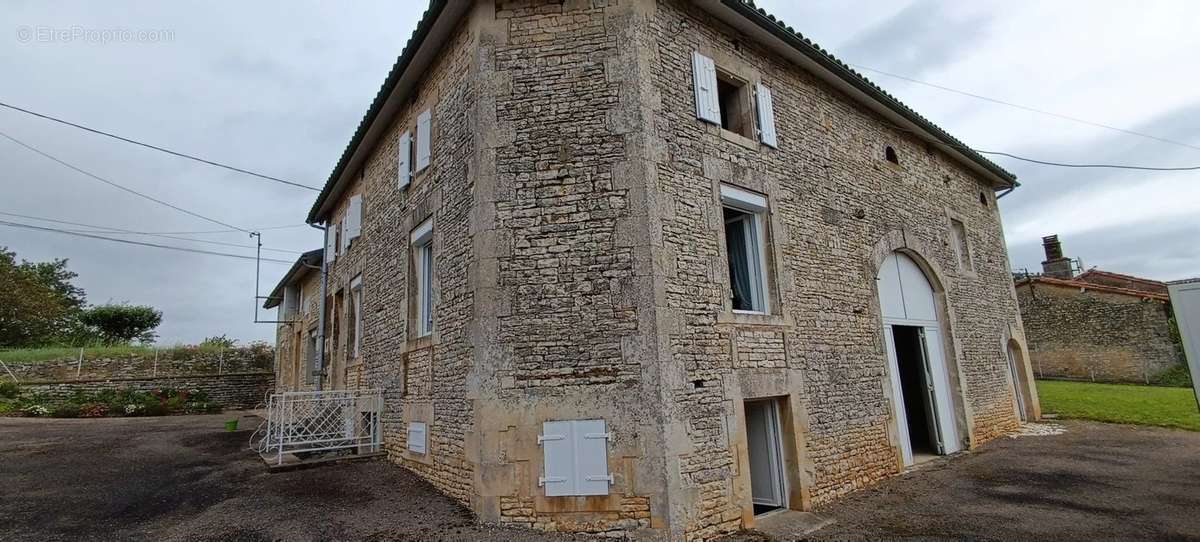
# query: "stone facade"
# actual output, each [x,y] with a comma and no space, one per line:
[581,272]
[1091,332]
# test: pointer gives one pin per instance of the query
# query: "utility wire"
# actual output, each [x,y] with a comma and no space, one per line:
[112,230]
[115,185]
[1027,108]
[157,148]
[139,243]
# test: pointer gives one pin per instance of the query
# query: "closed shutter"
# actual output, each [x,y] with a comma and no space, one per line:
[416,437]
[354,218]
[704,75]
[766,117]
[575,454]
[423,143]
[330,242]
[559,454]
[591,455]
[405,164]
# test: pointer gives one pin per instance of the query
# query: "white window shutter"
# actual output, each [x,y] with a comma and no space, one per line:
[354,217]
[423,143]
[766,117]
[343,239]
[330,243]
[416,437]
[559,459]
[704,75]
[405,164]
[591,456]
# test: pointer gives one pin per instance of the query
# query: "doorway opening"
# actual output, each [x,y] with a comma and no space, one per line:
[916,386]
[764,440]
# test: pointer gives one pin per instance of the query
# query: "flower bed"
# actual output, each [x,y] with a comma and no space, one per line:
[126,402]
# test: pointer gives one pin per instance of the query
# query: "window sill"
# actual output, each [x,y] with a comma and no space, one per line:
[750,318]
[739,139]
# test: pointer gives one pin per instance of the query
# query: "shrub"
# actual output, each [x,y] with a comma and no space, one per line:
[66,410]
[93,410]
[1177,376]
[9,390]
[35,410]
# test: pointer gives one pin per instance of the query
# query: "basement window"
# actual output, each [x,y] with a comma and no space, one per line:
[745,248]
[574,458]
[734,97]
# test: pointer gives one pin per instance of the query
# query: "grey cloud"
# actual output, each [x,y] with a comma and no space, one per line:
[1160,250]
[919,38]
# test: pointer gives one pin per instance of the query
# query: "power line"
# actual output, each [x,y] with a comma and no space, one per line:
[112,230]
[1027,108]
[108,229]
[115,185]
[139,243]
[157,148]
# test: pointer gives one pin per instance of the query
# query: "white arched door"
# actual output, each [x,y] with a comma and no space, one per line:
[916,361]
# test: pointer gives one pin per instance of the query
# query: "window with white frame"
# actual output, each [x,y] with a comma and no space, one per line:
[575,458]
[356,316]
[423,266]
[745,248]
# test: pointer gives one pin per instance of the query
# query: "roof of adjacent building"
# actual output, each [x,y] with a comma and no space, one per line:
[818,60]
[1098,276]
[308,261]
[1097,286]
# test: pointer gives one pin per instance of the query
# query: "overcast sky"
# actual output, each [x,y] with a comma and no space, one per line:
[279,88]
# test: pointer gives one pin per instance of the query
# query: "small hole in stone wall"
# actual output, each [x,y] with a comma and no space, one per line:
[891,156]
[983,199]
[697,383]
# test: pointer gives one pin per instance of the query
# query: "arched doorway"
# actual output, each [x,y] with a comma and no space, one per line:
[917,369]
[1015,361]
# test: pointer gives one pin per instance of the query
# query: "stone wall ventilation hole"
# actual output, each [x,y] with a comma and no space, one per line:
[697,383]
[891,156]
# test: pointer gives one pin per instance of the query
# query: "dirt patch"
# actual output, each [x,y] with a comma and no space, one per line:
[185,478]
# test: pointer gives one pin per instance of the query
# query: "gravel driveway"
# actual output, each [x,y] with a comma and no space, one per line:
[184,478]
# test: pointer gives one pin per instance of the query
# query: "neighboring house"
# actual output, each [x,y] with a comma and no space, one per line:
[1097,325]
[661,266]
[297,297]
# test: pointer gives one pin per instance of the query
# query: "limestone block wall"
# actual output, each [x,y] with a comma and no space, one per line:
[236,390]
[177,361]
[291,339]
[1095,335]
[834,203]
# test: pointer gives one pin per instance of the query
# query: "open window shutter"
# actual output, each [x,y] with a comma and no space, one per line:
[766,117]
[343,238]
[704,74]
[330,243]
[416,437]
[559,459]
[423,147]
[591,458]
[354,217]
[405,158]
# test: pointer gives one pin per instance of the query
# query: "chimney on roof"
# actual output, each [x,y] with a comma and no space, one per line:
[1056,265]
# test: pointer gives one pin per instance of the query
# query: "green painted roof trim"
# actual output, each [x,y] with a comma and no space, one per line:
[826,59]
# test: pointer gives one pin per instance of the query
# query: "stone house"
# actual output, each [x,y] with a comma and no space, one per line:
[297,300]
[659,267]
[1096,325]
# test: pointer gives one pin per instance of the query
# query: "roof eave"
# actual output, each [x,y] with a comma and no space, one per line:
[436,25]
[299,268]
[755,22]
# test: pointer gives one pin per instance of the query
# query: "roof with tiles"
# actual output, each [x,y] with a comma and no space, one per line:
[1084,285]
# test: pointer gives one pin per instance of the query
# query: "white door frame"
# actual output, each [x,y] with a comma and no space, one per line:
[937,371]
[775,457]
[1014,371]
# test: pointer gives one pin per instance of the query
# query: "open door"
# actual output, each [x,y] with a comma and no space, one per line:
[929,392]
[768,485]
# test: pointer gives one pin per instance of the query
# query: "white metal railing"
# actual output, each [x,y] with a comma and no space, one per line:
[301,422]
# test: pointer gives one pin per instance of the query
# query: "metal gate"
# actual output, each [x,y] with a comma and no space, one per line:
[300,423]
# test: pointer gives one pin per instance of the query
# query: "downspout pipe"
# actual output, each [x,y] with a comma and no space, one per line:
[324,227]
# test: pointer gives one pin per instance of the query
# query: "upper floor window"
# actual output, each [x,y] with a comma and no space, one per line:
[727,100]
[745,248]
[415,153]
[423,264]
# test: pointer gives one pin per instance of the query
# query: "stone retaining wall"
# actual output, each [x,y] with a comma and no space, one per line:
[167,362]
[235,390]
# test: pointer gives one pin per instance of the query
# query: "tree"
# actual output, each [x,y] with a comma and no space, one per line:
[37,300]
[120,324]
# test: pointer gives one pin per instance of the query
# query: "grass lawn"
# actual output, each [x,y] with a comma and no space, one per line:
[1121,403]
[95,352]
